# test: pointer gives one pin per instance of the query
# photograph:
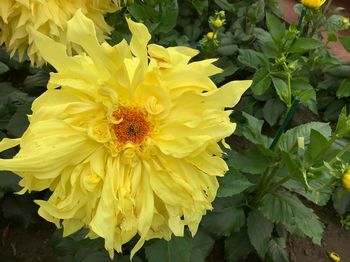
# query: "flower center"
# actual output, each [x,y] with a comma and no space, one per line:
[132,125]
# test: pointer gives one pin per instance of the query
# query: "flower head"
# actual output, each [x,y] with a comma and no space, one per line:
[126,137]
[48,17]
[313,3]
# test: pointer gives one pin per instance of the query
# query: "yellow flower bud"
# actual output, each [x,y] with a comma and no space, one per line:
[211,36]
[313,3]
[217,23]
[334,257]
[345,20]
[346,180]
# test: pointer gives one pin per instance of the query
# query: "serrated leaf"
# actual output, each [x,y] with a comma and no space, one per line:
[177,249]
[3,68]
[252,131]
[317,145]
[232,184]
[288,210]
[276,252]
[19,121]
[237,246]
[259,231]
[249,161]
[250,58]
[272,111]
[344,89]
[202,244]
[275,27]
[261,82]
[224,221]
[281,88]
[304,45]
[341,200]
[289,139]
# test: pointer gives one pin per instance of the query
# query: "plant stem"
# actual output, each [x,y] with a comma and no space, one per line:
[285,123]
[301,18]
[340,153]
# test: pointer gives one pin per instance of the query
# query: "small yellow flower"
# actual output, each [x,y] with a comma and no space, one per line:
[211,35]
[313,3]
[346,180]
[126,137]
[345,20]
[48,17]
[218,23]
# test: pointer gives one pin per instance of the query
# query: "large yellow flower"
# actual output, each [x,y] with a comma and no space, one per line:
[126,137]
[313,3]
[48,17]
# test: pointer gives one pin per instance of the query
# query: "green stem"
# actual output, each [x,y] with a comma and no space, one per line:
[301,18]
[278,184]
[285,123]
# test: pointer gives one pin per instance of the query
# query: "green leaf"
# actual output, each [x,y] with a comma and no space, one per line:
[249,161]
[318,197]
[169,14]
[281,88]
[275,27]
[9,181]
[228,71]
[256,12]
[341,200]
[288,210]
[306,93]
[344,89]
[237,246]
[343,124]
[341,71]
[289,139]
[225,5]
[202,244]
[259,231]
[305,44]
[232,184]
[223,222]
[252,131]
[250,58]
[276,252]
[3,68]
[317,145]
[200,5]
[273,110]
[177,249]
[261,82]
[19,121]
[20,209]
[345,41]
[333,110]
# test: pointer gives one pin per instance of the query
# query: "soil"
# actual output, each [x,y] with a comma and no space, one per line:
[336,239]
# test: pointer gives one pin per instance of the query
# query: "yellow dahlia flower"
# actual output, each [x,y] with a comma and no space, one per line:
[126,137]
[48,17]
[313,3]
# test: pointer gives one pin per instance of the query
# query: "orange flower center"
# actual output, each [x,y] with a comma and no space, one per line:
[132,127]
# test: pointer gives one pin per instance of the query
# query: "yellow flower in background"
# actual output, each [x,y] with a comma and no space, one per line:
[48,17]
[313,3]
[126,137]
[346,180]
